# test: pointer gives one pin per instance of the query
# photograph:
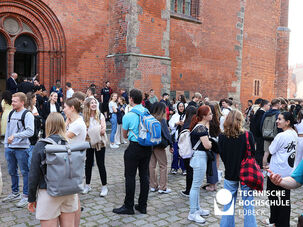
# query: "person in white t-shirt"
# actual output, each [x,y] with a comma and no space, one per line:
[76,128]
[69,90]
[76,132]
[283,151]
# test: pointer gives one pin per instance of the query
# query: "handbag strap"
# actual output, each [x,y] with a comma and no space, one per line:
[248,148]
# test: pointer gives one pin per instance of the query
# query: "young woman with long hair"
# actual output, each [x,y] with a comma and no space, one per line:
[31,106]
[214,131]
[199,128]
[112,106]
[189,113]
[51,211]
[96,134]
[76,132]
[175,123]
[120,113]
[50,106]
[158,110]
[232,148]
[283,151]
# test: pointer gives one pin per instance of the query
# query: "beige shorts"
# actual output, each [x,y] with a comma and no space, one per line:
[49,207]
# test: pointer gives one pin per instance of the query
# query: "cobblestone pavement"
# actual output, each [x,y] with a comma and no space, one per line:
[163,210]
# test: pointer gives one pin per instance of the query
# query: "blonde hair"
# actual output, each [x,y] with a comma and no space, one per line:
[22,97]
[111,97]
[233,125]
[55,125]
[51,94]
[87,112]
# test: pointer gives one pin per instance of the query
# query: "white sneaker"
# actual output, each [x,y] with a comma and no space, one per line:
[124,142]
[23,202]
[104,191]
[196,217]
[114,146]
[164,191]
[118,143]
[86,189]
[204,212]
[11,197]
[153,189]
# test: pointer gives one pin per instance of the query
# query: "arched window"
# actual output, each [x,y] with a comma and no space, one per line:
[3,65]
[25,56]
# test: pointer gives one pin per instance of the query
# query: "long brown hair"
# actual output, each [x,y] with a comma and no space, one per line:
[201,112]
[214,124]
[55,125]
[233,125]
[158,110]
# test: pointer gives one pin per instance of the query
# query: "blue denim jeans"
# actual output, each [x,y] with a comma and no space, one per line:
[199,163]
[249,216]
[15,158]
[177,160]
[113,121]
[31,147]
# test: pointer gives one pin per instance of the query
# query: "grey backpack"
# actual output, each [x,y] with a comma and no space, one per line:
[269,128]
[64,167]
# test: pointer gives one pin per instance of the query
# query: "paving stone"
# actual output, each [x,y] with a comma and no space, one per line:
[163,210]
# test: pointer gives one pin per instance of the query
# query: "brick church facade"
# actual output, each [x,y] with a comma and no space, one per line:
[221,48]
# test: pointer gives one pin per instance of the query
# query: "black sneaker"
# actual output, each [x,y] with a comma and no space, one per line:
[184,193]
[123,210]
[140,209]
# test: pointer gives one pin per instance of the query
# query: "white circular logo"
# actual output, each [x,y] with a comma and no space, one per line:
[224,196]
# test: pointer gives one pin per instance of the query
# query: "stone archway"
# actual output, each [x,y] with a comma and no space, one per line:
[36,20]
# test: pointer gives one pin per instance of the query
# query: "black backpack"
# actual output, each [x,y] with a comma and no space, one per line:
[37,127]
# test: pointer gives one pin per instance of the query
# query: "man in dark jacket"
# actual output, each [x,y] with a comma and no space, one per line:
[255,128]
[11,83]
[275,110]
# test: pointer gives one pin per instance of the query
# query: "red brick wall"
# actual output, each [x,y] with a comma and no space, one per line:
[259,48]
[205,53]
[85,25]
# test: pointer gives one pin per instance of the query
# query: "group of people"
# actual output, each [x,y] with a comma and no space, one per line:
[218,130]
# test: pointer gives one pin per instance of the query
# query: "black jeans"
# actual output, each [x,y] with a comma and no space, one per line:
[280,211]
[136,157]
[189,175]
[100,156]
[259,151]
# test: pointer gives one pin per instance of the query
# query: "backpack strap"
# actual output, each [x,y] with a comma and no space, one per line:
[10,115]
[248,153]
[199,141]
[23,117]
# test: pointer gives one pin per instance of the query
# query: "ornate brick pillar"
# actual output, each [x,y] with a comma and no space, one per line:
[10,59]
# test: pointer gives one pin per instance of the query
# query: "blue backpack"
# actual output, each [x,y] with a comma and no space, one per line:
[149,129]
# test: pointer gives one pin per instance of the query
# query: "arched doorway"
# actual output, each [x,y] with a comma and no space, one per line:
[35,37]
[25,56]
[3,62]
